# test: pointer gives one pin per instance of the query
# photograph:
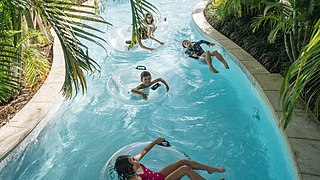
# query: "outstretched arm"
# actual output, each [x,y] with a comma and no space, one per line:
[204,41]
[136,90]
[148,148]
[211,44]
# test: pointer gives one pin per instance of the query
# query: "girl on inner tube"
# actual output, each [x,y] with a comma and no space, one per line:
[130,168]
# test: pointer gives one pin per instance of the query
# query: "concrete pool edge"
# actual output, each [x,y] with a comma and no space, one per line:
[303,134]
[37,111]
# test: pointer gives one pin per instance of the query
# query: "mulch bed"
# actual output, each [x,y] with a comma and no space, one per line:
[10,109]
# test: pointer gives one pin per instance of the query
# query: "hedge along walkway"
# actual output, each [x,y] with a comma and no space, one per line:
[29,121]
[303,134]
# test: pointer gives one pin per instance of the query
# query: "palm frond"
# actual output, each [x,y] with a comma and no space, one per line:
[269,20]
[36,66]
[303,71]
[65,18]
[9,66]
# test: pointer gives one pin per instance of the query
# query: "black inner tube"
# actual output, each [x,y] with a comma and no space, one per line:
[155,86]
[140,67]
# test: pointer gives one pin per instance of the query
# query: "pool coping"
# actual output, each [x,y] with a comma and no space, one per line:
[303,133]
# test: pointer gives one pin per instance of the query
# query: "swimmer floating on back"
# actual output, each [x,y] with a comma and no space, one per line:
[145,78]
[194,50]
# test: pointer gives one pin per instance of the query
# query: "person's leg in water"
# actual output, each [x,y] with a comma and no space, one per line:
[208,59]
[184,167]
[220,58]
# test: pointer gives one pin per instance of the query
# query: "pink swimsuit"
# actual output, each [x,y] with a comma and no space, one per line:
[150,175]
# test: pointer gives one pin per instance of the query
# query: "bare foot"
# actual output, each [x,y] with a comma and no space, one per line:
[212,69]
[226,66]
[216,170]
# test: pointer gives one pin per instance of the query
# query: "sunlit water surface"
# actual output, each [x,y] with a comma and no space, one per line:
[217,119]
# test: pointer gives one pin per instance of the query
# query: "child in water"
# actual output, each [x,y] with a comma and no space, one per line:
[195,51]
[145,78]
[147,32]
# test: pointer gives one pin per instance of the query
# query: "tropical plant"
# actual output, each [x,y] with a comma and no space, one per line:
[291,20]
[272,56]
[9,67]
[36,66]
[64,18]
[226,9]
[294,19]
[304,71]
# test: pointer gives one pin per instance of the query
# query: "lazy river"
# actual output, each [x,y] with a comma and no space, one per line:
[217,119]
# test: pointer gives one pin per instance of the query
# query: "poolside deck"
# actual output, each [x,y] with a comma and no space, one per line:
[303,134]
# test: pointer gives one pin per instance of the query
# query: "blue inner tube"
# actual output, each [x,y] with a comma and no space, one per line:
[156,159]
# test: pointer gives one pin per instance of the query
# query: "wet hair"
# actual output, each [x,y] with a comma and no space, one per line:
[146,17]
[183,43]
[144,74]
[124,168]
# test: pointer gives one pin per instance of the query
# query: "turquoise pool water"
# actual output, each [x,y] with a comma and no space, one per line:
[217,119]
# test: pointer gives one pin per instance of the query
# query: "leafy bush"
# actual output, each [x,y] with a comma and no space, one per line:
[36,66]
[272,56]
